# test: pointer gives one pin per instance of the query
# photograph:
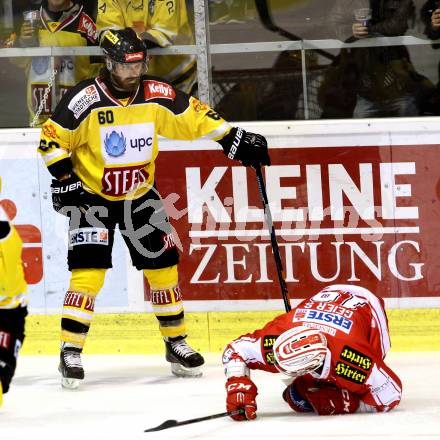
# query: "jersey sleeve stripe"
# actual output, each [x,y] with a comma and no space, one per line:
[219,132]
[54,156]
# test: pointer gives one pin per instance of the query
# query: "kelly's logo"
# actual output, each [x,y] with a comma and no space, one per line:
[350,373]
[356,358]
[157,89]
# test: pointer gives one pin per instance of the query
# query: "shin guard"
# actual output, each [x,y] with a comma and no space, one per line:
[76,318]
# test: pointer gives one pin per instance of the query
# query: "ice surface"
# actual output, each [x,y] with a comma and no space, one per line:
[123,395]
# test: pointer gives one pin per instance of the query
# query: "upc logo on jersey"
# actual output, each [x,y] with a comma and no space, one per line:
[125,145]
[157,89]
[331,319]
[114,144]
[88,236]
[83,100]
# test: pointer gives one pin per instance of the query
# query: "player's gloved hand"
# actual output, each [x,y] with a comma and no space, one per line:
[294,395]
[306,394]
[331,400]
[242,393]
[68,193]
[249,148]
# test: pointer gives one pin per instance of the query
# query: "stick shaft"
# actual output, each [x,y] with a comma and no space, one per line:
[273,238]
[212,416]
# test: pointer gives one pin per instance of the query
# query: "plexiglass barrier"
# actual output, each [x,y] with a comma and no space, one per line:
[257,60]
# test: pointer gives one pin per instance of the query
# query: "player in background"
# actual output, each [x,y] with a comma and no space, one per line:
[13,300]
[59,23]
[331,345]
[100,146]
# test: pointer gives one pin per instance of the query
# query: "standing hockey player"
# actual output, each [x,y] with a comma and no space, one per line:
[333,346]
[13,301]
[102,180]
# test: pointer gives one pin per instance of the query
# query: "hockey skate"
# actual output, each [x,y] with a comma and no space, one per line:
[185,362]
[71,368]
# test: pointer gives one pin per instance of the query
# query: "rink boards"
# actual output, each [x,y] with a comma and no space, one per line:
[352,202]
[137,333]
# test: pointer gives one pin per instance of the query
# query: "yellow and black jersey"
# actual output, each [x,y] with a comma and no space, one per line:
[166,23]
[112,143]
[12,283]
[73,28]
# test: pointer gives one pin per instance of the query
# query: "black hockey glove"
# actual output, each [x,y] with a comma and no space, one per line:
[68,194]
[249,148]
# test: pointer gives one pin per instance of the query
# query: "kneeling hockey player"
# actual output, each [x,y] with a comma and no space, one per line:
[331,345]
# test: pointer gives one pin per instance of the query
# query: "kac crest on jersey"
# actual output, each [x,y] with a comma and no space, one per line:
[115,144]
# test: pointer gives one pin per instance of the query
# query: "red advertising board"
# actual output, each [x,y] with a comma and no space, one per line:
[363,215]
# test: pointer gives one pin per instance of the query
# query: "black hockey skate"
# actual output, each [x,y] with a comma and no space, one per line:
[71,368]
[185,362]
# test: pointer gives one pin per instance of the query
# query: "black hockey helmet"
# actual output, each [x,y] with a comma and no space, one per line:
[123,46]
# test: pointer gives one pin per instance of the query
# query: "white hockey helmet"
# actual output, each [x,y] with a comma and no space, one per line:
[299,351]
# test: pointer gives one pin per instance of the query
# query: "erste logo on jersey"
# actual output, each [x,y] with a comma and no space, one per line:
[88,236]
[83,100]
[156,89]
[330,319]
[127,144]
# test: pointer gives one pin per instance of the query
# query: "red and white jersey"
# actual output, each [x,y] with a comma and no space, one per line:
[355,325]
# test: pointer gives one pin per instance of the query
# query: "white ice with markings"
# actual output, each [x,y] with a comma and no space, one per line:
[123,395]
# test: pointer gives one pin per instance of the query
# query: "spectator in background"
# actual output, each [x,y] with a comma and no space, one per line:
[159,24]
[57,23]
[430,16]
[382,81]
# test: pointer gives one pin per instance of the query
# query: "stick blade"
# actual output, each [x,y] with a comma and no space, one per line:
[165,425]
